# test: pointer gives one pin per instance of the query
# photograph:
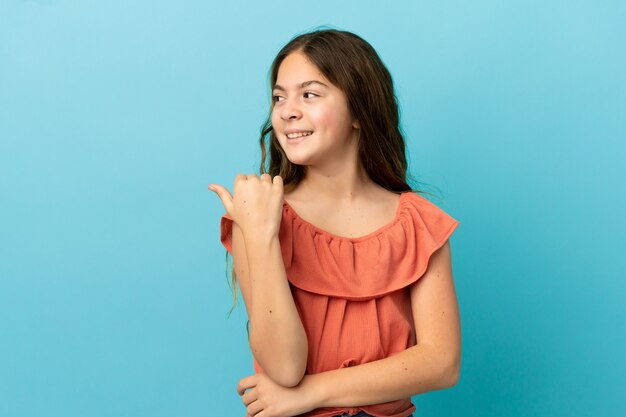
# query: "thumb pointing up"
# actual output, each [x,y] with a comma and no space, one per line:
[224,195]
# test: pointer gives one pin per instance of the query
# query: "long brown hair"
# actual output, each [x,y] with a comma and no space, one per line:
[352,65]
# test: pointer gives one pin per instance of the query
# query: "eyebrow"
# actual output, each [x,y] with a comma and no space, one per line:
[304,84]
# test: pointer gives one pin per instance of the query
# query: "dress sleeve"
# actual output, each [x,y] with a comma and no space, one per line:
[226,232]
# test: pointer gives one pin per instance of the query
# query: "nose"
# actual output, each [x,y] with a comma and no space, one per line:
[290,110]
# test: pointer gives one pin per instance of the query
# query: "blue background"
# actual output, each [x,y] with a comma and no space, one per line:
[115,116]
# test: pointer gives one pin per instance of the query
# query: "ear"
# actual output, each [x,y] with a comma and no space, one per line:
[355,124]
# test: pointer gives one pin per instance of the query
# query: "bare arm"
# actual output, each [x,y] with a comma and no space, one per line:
[277,337]
[432,364]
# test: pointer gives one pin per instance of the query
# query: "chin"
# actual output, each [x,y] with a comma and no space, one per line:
[297,158]
[298,161]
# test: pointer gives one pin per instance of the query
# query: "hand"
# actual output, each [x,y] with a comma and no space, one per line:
[257,203]
[265,398]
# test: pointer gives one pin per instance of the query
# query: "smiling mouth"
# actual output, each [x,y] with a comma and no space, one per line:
[298,135]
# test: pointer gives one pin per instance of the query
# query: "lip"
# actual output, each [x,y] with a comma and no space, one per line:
[289,131]
[300,139]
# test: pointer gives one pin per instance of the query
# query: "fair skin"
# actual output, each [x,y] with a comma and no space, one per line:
[277,337]
[336,195]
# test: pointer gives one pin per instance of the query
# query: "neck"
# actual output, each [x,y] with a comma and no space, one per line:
[346,181]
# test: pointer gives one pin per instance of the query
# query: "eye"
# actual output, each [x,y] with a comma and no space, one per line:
[275,98]
[308,92]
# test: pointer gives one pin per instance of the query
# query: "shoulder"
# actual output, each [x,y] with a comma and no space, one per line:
[424,205]
[383,196]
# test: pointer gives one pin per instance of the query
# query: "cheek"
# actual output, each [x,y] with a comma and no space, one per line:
[275,121]
[277,125]
[274,117]
[327,119]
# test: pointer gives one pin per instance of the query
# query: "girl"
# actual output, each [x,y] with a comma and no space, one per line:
[345,271]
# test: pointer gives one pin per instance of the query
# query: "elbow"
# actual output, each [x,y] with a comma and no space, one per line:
[448,366]
[287,378]
[290,373]
[453,377]
[452,373]
[285,373]
[284,366]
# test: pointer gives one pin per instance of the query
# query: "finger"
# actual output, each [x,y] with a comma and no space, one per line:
[266,177]
[238,178]
[250,396]
[278,186]
[252,177]
[245,383]
[224,195]
[278,180]
[255,408]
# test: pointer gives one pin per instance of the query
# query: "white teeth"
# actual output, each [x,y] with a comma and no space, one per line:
[298,135]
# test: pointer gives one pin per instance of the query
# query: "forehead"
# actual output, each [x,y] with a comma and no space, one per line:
[295,69]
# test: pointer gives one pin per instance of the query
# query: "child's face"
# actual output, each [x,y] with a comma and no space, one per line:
[318,109]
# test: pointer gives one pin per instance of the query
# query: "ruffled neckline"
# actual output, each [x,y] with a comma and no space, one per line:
[370,266]
[371,235]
